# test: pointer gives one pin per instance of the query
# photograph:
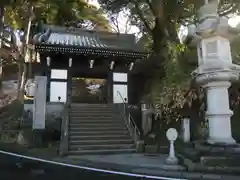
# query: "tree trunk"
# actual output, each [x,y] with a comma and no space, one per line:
[23,82]
[1,33]
[158,39]
[30,66]
[23,53]
[19,76]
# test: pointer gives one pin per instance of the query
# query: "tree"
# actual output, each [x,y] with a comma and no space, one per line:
[162,18]
[78,13]
[1,34]
[169,82]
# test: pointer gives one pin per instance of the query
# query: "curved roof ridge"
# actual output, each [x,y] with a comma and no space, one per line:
[65,29]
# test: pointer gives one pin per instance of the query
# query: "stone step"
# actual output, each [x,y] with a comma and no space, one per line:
[97,110]
[94,121]
[90,119]
[90,133]
[89,141]
[99,137]
[105,110]
[93,118]
[93,107]
[92,110]
[94,115]
[100,146]
[95,126]
[220,160]
[74,154]
[219,150]
[97,129]
[99,119]
[214,169]
[89,106]
[99,124]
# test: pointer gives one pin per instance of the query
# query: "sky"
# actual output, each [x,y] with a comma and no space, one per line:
[122,20]
[234,21]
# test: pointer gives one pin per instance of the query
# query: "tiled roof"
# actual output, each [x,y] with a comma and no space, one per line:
[74,40]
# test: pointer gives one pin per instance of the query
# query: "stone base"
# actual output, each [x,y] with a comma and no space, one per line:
[227,142]
[172,161]
[216,149]
[140,147]
[203,156]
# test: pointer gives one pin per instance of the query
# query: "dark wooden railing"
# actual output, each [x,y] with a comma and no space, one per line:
[130,122]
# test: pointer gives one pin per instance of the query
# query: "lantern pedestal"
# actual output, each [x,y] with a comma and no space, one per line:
[218,111]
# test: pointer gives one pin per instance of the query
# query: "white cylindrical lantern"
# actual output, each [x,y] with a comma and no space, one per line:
[112,65]
[38,57]
[48,61]
[70,62]
[91,63]
[131,66]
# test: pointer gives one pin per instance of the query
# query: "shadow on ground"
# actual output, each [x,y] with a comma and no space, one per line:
[12,167]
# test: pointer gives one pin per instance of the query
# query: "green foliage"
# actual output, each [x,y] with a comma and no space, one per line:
[169,93]
[159,21]
[57,12]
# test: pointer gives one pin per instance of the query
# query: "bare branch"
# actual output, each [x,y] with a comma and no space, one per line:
[150,6]
[141,16]
[116,23]
[127,26]
[231,10]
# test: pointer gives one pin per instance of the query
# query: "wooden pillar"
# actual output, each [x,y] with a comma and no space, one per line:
[48,74]
[69,82]
[110,88]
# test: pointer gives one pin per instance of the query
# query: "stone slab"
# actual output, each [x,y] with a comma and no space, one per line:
[134,163]
[138,160]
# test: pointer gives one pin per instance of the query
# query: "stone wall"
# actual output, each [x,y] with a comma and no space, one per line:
[10,121]
[53,114]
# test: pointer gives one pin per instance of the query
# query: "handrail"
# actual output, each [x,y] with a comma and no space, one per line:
[130,121]
[121,96]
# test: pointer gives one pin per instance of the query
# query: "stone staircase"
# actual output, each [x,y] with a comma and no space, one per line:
[97,129]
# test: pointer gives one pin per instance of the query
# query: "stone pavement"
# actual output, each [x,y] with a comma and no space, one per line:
[127,166]
[12,167]
[134,160]
[142,164]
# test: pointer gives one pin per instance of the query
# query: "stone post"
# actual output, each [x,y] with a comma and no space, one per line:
[215,69]
[186,130]
[39,106]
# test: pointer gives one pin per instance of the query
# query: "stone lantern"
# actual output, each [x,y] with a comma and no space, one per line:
[215,70]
